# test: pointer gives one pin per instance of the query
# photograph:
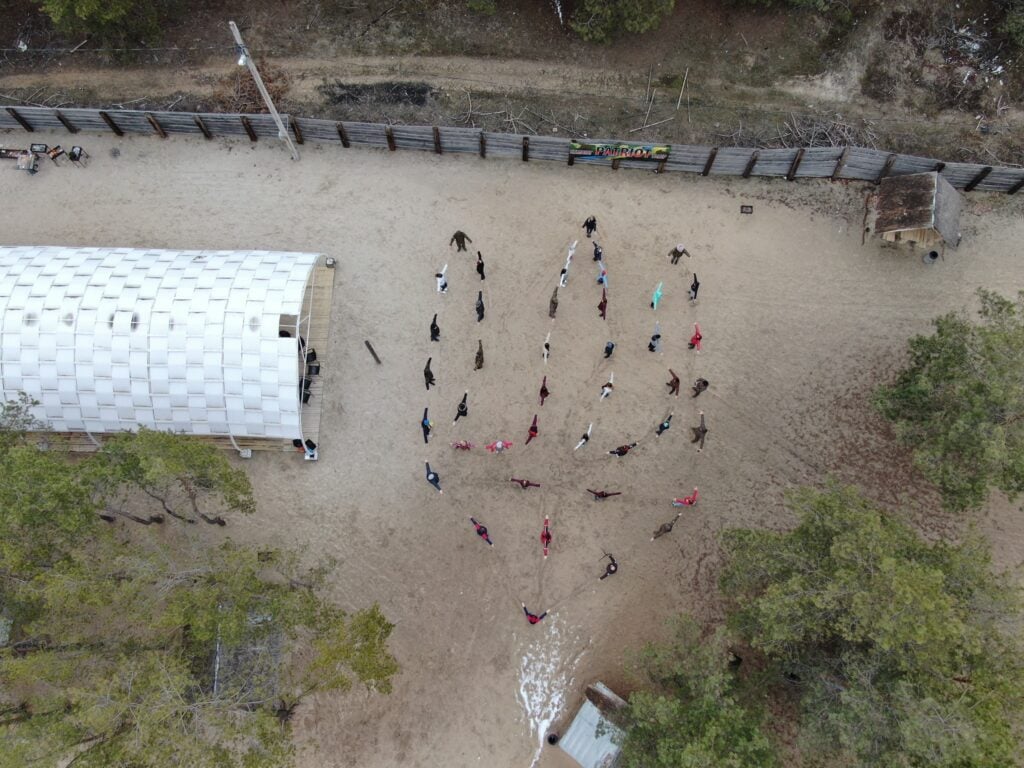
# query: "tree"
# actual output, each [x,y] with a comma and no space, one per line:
[959,404]
[693,716]
[173,469]
[143,655]
[600,20]
[905,653]
[114,22]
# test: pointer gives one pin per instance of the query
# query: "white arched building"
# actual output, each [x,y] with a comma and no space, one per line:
[113,339]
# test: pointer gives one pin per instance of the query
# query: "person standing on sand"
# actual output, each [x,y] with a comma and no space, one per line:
[433,478]
[609,386]
[532,617]
[598,251]
[547,347]
[435,329]
[463,409]
[426,425]
[428,375]
[602,495]
[498,446]
[590,225]
[480,264]
[694,287]
[479,306]
[460,239]
[673,386]
[612,568]
[442,282]
[666,527]
[622,450]
[699,433]
[586,437]
[608,349]
[481,531]
[544,391]
[686,501]
[695,340]
[524,484]
[553,304]
[479,355]
[602,306]
[656,297]
[655,343]
[533,430]
[699,386]
[676,253]
[665,425]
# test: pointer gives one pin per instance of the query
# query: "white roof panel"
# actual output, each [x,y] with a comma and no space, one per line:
[168,312]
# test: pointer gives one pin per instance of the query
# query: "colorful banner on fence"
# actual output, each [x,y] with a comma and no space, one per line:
[620,150]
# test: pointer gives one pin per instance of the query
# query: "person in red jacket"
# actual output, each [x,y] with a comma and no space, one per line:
[532,617]
[686,501]
[533,430]
[696,338]
[481,531]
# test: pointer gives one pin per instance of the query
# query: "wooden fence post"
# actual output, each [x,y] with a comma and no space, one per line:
[390,136]
[616,161]
[483,145]
[296,129]
[21,120]
[572,157]
[840,164]
[886,168]
[710,162]
[248,127]
[202,127]
[750,164]
[979,178]
[64,121]
[437,140]
[796,164]
[1015,188]
[156,126]
[526,148]
[343,135]
[110,123]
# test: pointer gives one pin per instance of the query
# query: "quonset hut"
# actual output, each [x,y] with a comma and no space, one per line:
[210,343]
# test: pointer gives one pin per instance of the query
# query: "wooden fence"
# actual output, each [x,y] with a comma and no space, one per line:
[856,163]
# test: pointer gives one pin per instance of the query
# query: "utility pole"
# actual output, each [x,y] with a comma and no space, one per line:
[245,58]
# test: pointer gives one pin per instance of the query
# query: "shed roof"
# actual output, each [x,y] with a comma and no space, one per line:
[582,742]
[111,339]
[919,201]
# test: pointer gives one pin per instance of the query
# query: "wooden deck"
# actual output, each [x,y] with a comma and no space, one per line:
[316,305]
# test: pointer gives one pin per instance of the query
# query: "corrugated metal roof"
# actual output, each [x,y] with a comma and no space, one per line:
[582,743]
[111,339]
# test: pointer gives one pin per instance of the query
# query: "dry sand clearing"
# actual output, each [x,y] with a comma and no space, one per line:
[799,320]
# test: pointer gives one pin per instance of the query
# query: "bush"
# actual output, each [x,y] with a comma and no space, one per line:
[110,22]
[601,20]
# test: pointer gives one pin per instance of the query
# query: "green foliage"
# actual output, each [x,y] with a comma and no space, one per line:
[960,402]
[693,716]
[175,470]
[1013,23]
[114,22]
[116,661]
[485,7]
[599,21]
[15,420]
[906,652]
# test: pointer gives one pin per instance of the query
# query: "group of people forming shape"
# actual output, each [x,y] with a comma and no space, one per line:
[700,385]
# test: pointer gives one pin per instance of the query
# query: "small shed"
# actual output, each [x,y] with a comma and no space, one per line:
[591,739]
[921,208]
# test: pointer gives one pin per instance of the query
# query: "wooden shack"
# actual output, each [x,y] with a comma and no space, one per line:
[920,209]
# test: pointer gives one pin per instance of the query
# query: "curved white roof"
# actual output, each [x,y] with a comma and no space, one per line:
[111,339]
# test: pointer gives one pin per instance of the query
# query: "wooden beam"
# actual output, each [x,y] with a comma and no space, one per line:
[795,164]
[21,120]
[886,168]
[1016,188]
[202,127]
[248,127]
[483,145]
[437,140]
[390,136]
[294,125]
[110,123]
[979,178]
[840,163]
[710,162]
[750,164]
[64,121]
[343,135]
[526,148]
[156,126]
[615,163]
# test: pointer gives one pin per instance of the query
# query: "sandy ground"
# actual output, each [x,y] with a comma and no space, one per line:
[800,320]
